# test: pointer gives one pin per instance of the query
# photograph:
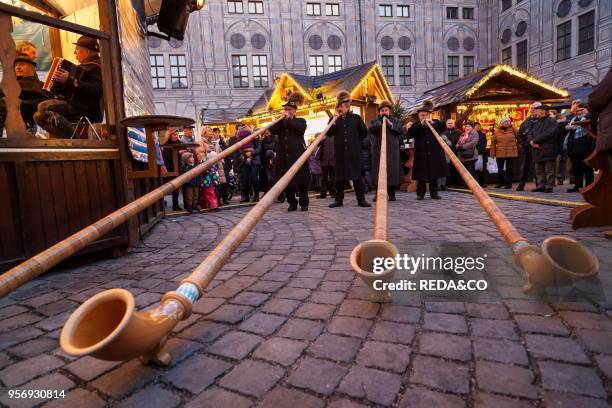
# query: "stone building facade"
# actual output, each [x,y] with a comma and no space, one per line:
[234,49]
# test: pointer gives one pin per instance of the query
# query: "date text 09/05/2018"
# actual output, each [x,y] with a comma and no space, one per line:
[431,285]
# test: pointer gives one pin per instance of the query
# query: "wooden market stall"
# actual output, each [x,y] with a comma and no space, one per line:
[366,83]
[51,188]
[487,95]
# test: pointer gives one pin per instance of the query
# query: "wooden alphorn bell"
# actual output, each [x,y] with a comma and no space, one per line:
[363,255]
[67,247]
[107,325]
[560,261]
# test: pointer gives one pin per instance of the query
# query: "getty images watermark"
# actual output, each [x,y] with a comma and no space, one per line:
[447,265]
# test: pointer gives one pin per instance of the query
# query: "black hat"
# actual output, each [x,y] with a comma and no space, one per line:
[294,100]
[385,104]
[88,42]
[543,107]
[343,97]
[25,58]
[189,127]
[427,106]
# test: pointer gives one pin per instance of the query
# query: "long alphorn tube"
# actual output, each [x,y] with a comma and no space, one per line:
[50,257]
[363,255]
[560,261]
[107,325]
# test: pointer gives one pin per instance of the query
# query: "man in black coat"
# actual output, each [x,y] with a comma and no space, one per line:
[524,134]
[394,131]
[453,134]
[348,133]
[580,146]
[542,140]
[290,146]
[429,160]
[80,96]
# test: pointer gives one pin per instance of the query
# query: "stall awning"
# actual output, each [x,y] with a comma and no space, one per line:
[221,115]
[497,83]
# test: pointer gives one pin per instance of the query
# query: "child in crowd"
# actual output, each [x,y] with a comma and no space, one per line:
[245,163]
[209,182]
[191,189]
[221,190]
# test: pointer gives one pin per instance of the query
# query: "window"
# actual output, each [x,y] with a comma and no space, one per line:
[234,7]
[452,13]
[158,73]
[178,71]
[468,13]
[403,11]
[453,68]
[332,9]
[260,71]
[388,68]
[334,63]
[405,71]
[316,65]
[506,57]
[468,65]
[313,9]
[506,4]
[385,10]
[240,71]
[256,7]
[586,33]
[521,55]
[564,41]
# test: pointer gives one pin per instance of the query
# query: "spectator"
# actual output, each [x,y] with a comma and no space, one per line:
[561,151]
[266,171]
[580,146]
[167,155]
[188,135]
[467,146]
[481,148]
[452,134]
[210,180]
[191,189]
[442,182]
[28,48]
[525,147]
[542,140]
[314,165]
[504,148]
[221,189]
[326,151]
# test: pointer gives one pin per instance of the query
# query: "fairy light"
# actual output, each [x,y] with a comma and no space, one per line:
[488,107]
[275,94]
[364,80]
[512,71]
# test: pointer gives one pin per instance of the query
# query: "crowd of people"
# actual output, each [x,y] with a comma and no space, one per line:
[77,92]
[350,154]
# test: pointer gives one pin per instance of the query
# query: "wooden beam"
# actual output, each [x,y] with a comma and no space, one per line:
[14,124]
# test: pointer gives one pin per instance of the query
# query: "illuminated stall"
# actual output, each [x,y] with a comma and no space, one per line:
[488,95]
[366,83]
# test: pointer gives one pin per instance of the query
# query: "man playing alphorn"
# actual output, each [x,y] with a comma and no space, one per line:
[394,131]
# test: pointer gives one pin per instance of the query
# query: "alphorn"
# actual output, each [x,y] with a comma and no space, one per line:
[363,255]
[107,325]
[53,255]
[560,261]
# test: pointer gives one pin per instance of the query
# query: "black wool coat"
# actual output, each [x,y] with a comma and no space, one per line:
[544,133]
[429,159]
[394,132]
[86,97]
[348,133]
[290,146]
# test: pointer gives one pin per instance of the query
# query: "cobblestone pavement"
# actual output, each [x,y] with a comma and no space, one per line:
[286,323]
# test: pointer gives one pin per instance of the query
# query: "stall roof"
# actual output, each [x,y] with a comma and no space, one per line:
[221,115]
[582,93]
[496,83]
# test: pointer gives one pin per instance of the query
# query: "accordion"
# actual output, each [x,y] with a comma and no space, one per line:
[59,89]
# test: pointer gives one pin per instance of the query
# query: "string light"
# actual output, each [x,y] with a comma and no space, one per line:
[461,108]
[275,94]
[512,71]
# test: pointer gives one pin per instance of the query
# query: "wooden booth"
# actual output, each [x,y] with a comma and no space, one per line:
[51,188]
[366,84]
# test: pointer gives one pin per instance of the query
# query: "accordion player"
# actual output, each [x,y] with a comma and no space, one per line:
[60,89]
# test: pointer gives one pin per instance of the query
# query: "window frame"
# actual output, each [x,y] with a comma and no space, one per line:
[318,5]
[404,72]
[157,78]
[260,80]
[471,10]
[316,65]
[387,8]
[590,35]
[234,3]
[405,7]
[506,51]
[385,67]
[450,9]
[471,58]
[334,67]
[564,41]
[178,66]
[521,55]
[456,67]
[334,8]
[255,3]
[240,66]
[506,5]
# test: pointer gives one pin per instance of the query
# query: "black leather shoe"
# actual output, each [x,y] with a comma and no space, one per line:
[420,197]
[436,197]
[322,196]
[548,190]
[363,203]
[521,187]
[538,190]
[392,198]
[335,204]
[292,207]
[304,208]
